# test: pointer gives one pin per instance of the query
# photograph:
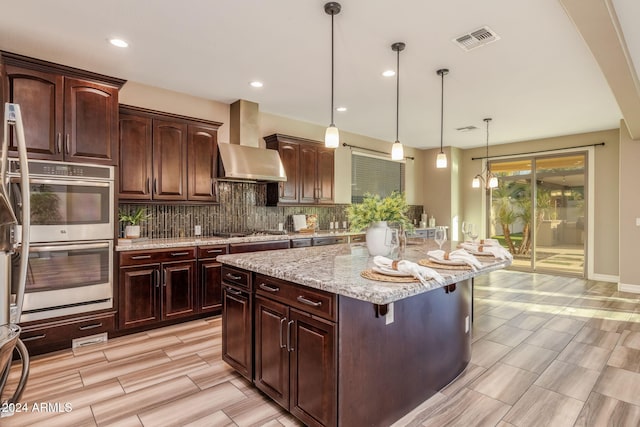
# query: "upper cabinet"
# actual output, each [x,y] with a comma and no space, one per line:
[68,114]
[310,172]
[166,157]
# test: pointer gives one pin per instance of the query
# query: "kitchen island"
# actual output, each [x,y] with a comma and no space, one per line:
[335,348]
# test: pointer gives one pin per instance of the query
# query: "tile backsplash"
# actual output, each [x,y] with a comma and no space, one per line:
[241,209]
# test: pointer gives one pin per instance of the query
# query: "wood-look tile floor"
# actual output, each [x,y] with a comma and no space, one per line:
[547,351]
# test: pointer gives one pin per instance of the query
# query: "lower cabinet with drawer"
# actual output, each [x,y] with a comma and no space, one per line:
[45,336]
[210,278]
[237,320]
[156,286]
[295,349]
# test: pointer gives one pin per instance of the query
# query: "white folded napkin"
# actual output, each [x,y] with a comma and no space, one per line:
[489,242]
[497,251]
[419,272]
[458,255]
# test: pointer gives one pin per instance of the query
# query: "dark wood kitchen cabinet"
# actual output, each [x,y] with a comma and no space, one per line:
[68,114]
[166,157]
[237,320]
[296,349]
[210,278]
[156,286]
[310,172]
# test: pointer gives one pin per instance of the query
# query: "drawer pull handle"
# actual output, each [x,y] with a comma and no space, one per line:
[86,327]
[137,257]
[269,288]
[234,291]
[33,338]
[231,276]
[309,302]
[214,251]
[179,253]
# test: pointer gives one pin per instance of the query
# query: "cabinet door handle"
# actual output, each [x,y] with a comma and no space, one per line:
[147,185]
[269,288]
[284,319]
[233,291]
[289,348]
[231,276]
[309,302]
[66,144]
[155,185]
[137,257]
[58,147]
[157,274]
[33,338]
[214,251]
[86,327]
[164,277]
[179,253]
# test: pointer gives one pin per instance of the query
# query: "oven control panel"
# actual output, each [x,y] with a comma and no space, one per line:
[61,169]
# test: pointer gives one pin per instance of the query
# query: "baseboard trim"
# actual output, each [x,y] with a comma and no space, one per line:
[605,278]
[624,287]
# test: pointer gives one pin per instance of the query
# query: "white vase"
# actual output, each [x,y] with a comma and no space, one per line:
[378,239]
[132,231]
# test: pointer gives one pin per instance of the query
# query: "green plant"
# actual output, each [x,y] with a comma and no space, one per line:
[134,218]
[374,208]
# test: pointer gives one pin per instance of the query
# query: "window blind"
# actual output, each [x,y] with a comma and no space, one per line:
[375,175]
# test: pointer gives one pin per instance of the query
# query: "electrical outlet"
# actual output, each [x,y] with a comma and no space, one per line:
[638,222]
[198,230]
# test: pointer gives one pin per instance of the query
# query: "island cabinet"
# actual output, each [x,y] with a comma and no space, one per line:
[210,278]
[296,349]
[156,286]
[166,157]
[309,167]
[237,320]
[68,114]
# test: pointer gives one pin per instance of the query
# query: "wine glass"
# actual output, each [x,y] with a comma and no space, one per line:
[472,230]
[464,230]
[394,241]
[440,236]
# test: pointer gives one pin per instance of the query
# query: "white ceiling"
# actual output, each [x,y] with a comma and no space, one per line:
[539,80]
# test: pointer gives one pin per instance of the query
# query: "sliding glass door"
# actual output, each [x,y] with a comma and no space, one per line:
[538,212]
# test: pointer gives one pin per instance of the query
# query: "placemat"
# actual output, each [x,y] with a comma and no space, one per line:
[431,264]
[373,275]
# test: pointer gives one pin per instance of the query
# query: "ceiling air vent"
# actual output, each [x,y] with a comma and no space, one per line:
[476,38]
[467,128]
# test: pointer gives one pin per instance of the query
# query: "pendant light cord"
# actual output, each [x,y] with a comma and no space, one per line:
[332,124]
[441,110]
[397,94]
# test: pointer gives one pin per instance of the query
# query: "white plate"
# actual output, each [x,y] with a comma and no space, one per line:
[389,271]
[447,261]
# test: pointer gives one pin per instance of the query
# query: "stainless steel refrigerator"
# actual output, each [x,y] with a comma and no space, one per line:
[14,245]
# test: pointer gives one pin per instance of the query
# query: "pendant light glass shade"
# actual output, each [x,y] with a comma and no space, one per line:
[490,180]
[493,182]
[332,135]
[397,150]
[441,160]
[476,181]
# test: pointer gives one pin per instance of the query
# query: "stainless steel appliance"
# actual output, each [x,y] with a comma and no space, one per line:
[70,261]
[11,299]
[69,201]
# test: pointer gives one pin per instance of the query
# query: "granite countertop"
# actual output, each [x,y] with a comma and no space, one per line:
[203,241]
[337,268]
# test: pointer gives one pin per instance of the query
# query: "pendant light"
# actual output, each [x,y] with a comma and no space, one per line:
[491,180]
[397,151]
[441,160]
[332,135]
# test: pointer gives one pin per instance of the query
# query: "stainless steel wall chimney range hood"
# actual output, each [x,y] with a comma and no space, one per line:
[240,162]
[242,159]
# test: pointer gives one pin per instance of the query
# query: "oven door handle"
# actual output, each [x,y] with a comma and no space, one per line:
[84,183]
[53,248]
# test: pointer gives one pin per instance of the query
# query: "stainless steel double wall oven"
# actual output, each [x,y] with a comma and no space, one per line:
[72,227]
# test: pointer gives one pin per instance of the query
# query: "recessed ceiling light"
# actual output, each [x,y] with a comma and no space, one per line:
[256,84]
[118,42]
[341,109]
[389,73]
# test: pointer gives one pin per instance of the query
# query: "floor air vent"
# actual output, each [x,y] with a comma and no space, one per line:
[477,38]
[90,340]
